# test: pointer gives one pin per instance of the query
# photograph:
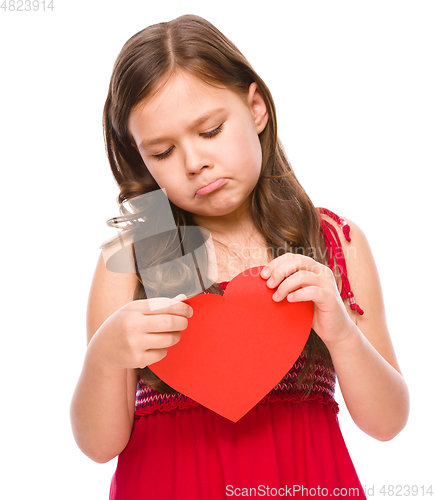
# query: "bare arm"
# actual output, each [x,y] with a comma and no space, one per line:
[372,385]
[123,335]
[102,408]
[370,380]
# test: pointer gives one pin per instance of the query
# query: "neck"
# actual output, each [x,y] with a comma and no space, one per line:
[226,228]
[238,245]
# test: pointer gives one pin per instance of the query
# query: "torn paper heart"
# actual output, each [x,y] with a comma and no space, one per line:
[237,347]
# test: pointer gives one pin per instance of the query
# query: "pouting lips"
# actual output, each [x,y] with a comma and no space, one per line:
[211,187]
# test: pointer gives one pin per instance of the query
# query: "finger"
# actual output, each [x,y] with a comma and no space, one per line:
[297,280]
[153,356]
[159,323]
[288,264]
[162,340]
[306,294]
[288,261]
[162,305]
[179,297]
[309,293]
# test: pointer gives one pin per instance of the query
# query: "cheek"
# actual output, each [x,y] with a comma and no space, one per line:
[257,153]
[247,154]
[159,178]
[159,175]
[249,143]
[164,182]
[171,183]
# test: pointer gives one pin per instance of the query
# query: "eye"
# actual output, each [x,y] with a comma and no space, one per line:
[164,155]
[212,133]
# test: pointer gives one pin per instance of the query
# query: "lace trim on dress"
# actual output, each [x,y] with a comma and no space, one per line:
[149,401]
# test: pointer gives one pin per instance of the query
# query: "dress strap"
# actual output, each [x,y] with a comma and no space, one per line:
[335,253]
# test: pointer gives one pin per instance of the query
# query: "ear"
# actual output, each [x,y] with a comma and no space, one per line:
[258,107]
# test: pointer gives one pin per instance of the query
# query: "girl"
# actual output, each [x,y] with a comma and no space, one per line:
[186,113]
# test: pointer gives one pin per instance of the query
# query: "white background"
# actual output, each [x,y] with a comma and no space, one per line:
[353,84]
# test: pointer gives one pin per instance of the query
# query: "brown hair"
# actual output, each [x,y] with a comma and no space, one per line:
[280,208]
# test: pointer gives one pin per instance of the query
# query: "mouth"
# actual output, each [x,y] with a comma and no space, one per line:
[211,187]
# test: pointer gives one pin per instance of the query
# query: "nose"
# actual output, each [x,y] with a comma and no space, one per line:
[195,159]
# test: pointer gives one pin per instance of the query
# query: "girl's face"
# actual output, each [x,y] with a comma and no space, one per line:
[200,143]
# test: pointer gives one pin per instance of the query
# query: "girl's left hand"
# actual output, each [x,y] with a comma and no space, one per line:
[299,278]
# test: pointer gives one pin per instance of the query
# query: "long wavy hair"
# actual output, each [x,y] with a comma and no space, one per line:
[280,208]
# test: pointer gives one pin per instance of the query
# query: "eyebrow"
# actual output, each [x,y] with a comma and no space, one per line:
[196,123]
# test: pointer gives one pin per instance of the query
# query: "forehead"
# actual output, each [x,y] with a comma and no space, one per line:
[183,95]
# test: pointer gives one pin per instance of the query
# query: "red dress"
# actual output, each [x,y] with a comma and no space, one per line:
[286,446]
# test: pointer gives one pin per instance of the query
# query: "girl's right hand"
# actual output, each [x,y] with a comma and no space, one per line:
[139,333]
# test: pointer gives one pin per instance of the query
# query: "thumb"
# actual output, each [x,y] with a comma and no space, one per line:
[181,296]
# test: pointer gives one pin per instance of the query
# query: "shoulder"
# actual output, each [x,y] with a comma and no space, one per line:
[351,237]
[366,286]
[356,250]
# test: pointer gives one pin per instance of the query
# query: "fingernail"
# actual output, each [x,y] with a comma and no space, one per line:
[275,296]
[270,282]
[190,314]
[265,272]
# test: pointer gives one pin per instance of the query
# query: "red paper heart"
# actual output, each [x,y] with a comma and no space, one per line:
[237,347]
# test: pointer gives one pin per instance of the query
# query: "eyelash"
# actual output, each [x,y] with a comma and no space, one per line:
[213,133]
[164,155]
[206,135]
